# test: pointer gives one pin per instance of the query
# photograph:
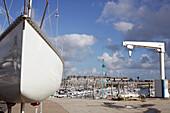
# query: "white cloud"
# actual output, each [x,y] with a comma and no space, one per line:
[123,26]
[167,61]
[123,9]
[119,61]
[118,65]
[116,61]
[75,46]
[95,72]
[71,70]
[150,18]
[145,61]
[109,39]
[67,64]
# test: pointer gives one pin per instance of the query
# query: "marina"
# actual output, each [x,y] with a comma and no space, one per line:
[108,92]
[82,69]
[113,88]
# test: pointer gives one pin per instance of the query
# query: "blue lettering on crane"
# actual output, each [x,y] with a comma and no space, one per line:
[163,83]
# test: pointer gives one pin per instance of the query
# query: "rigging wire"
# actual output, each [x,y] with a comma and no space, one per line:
[10,5]
[50,22]
[1,7]
[57,27]
[57,15]
[9,14]
[50,15]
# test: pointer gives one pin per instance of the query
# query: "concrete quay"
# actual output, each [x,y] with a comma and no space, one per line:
[68,105]
[150,105]
[48,107]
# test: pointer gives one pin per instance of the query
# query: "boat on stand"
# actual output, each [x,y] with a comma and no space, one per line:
[30,67]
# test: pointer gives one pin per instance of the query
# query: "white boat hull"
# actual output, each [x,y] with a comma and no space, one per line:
[31,70]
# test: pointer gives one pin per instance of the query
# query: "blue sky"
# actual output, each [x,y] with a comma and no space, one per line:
[92,30]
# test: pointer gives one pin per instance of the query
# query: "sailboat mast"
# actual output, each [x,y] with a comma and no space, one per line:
[25,7]
[7,12]
[29,8]
[44,14]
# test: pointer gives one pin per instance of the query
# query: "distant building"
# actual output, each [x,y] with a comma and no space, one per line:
[125,79]
[117,79]
[88,81]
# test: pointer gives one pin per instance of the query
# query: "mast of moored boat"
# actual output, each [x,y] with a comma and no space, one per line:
[44,14]
[25,7]
[29,8]
[7,12]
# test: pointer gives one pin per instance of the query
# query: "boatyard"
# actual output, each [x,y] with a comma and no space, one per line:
[121,96]
[113,87]
[64,105]
[109,106]
[76,99]
[96,57]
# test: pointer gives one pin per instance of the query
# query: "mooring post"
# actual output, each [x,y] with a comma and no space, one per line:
[124,91]
[112,88]
[94,91]
[127,86]
[149,90]
[118,89]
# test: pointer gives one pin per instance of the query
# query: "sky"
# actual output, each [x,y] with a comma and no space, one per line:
[88,31]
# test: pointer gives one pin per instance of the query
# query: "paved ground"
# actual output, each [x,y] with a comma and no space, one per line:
[151,105]
[65,105]
[48,107]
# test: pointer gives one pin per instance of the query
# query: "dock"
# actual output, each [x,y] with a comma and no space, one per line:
[138,84]
[150,105]
[48,107]
[66,105]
